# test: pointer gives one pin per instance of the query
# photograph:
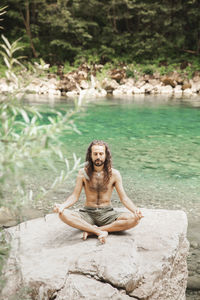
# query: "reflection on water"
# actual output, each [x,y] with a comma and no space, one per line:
[179,99]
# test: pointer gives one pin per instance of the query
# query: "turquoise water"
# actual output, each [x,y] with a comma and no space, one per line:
[155,145]
[162,140]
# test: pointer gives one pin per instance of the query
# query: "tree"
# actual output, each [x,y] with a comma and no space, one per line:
[113,29]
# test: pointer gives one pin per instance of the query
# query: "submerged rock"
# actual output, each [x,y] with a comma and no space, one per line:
[147,262]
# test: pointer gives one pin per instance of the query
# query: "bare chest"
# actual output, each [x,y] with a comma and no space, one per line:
[97,184]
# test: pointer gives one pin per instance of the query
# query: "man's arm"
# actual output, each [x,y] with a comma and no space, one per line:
[73,198]
[123,197]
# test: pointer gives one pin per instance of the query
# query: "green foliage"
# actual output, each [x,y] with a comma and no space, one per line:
[68,68]
[53,69]
[104,72]
[148,70]
[10,60]
[118,30]
[133,70]
[3,69]
[2,12]
[22,137]
[89,56]
[130,73]
[97,31]
[9,51]
[163,70]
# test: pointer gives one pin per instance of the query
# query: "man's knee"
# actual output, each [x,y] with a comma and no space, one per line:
[132,220]
[67,215]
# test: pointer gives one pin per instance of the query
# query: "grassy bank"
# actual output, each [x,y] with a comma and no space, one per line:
[186,66]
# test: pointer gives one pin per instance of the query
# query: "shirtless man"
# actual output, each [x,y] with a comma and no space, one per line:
[98,179]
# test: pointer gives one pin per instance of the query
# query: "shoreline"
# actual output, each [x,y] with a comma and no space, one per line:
[93,82]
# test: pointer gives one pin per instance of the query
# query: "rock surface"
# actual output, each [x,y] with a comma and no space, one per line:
[147,262]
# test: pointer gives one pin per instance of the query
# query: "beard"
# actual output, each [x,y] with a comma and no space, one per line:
[98,163]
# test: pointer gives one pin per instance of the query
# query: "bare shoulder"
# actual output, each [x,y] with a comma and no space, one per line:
[116,174]
[82,173]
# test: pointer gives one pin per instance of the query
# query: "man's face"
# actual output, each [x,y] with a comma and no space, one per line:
[98,155]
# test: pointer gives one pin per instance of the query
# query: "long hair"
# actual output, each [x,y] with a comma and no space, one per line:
[89,168]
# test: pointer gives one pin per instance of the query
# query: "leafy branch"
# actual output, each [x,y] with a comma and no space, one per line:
[2,12]
[23,136]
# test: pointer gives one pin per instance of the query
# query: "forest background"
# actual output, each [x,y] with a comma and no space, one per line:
[115,31]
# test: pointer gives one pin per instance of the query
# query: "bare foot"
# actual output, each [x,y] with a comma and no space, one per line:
[86,234]
[102,236]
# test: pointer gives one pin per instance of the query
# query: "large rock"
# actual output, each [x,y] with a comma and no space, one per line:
[118,74]
[124,89]
[178,89]
[166,89]
[195,86]
[186,85]
[169,81]
[147,262]
[146,88]
[136,90]
[109,85]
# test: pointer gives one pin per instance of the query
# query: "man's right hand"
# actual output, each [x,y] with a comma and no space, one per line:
[138,214]
[58,208]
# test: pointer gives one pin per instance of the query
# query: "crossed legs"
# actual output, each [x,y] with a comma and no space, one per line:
[124,221]
[73,219]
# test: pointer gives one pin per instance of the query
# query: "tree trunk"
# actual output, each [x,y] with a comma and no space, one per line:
[198,45]
[114,16]
[26,20]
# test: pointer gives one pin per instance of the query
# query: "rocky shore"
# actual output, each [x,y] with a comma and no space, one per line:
[85,80]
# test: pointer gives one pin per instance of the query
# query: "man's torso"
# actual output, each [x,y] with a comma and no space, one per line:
[98,193]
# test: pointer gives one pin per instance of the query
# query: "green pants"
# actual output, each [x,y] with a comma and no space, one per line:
[99,216]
